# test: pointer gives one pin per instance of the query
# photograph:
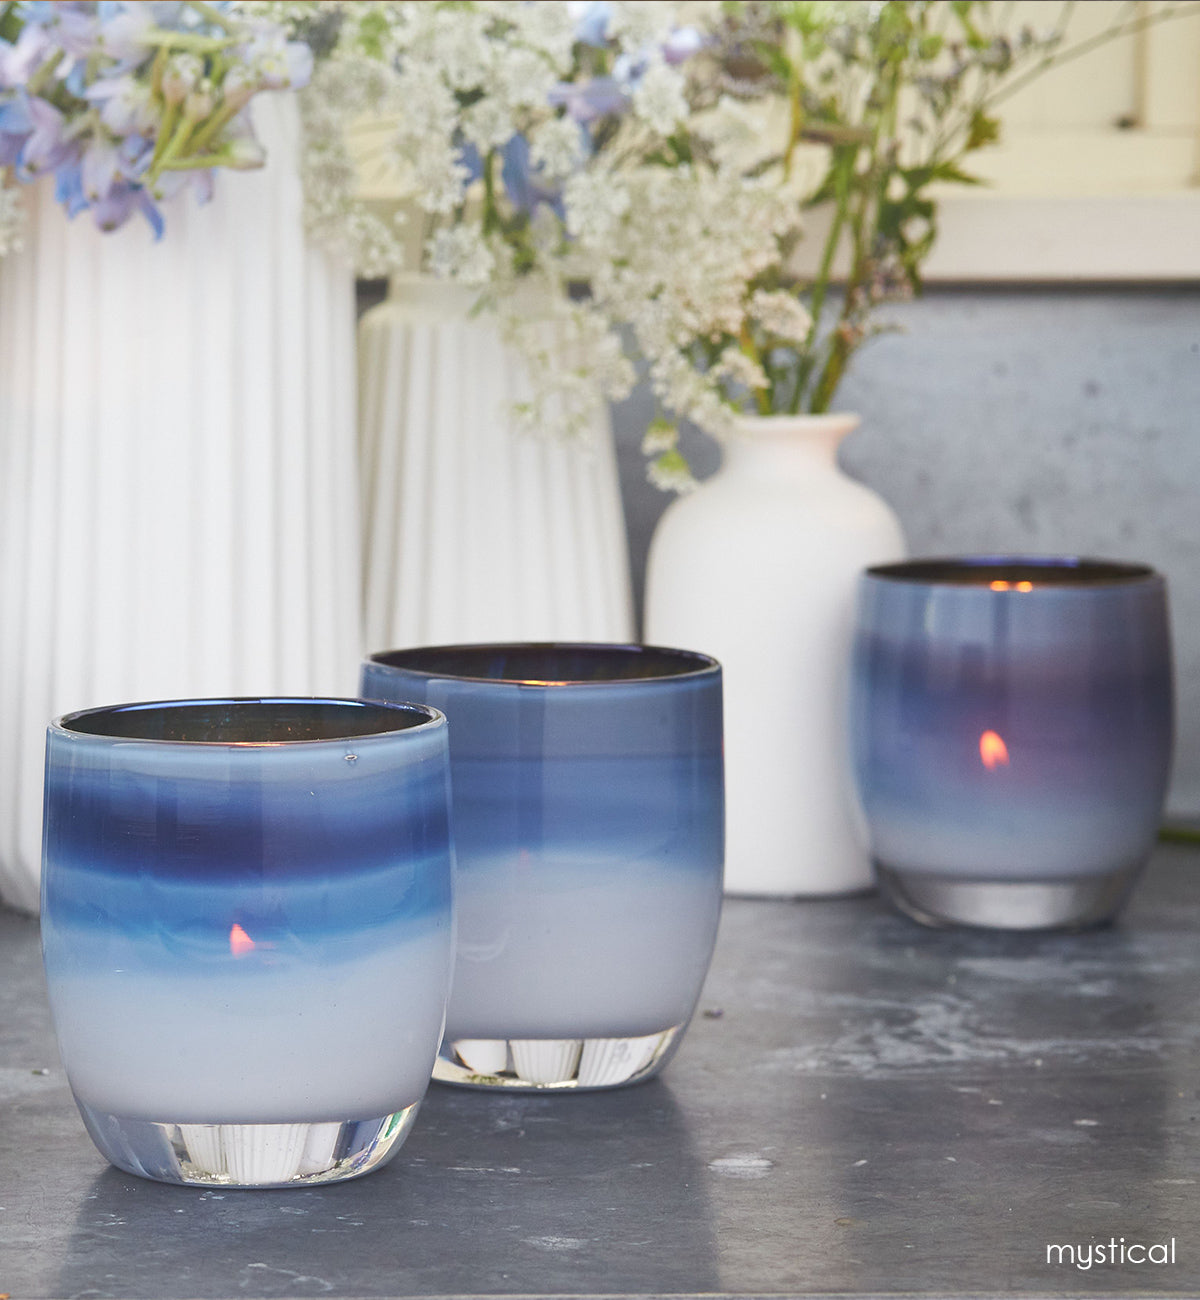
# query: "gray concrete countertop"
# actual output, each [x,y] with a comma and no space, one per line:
[862,1108]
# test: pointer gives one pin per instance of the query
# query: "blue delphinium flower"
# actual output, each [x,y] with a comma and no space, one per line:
[127,103]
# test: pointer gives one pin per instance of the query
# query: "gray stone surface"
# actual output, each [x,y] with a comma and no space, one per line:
[1038,420]
[878,1109]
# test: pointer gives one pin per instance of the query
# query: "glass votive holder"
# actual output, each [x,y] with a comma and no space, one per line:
[1012,734]
[589,834]
[247,931]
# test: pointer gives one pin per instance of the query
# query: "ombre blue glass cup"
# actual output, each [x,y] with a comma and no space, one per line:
[246,926]
[1012,735]
[589,833]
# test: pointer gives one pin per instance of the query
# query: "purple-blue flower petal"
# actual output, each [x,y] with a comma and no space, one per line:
[589,100]
[149,210]
[68,189]
[682,43]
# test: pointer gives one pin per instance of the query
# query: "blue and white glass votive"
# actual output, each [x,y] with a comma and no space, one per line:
[589,833]
[247,932]
[1012,733]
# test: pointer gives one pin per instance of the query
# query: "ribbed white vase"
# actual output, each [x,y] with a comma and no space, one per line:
[178,481]
[475,531]
[759,567]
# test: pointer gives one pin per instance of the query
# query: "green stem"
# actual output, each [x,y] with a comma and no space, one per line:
[190,41]
[45,72]
[194,162]
[214,16]
[157,68]
[845,170]
[174,149]
[762,396]
[1179,835]
[863,220]
[214,125]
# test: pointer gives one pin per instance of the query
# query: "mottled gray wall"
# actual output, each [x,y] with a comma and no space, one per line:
[1043,420]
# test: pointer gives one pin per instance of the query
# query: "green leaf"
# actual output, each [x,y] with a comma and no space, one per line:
[983,130]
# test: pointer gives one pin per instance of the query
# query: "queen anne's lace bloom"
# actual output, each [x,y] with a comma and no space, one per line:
[659,98]
[460,253]
[781,314]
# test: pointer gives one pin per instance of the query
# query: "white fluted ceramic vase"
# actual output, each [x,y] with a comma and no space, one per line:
[759,567]
[475,531]
[178,477]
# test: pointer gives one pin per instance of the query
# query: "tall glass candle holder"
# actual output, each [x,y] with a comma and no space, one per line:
[247,933]
[1012,731]
[589,830]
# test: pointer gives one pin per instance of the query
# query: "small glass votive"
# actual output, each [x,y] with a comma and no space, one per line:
[1012,734]
[247,932]
[589,834]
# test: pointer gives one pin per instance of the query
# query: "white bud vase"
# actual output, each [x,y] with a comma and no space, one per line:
[759,567]
[475,531]
[178,474]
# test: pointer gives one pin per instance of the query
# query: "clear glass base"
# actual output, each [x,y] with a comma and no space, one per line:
[544,1064]
[1008,905]
[248,1155]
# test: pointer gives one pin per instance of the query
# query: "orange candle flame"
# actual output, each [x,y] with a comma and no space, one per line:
[240,942]
[993,751]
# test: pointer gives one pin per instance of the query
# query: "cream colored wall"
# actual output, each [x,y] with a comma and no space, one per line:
[1097,175]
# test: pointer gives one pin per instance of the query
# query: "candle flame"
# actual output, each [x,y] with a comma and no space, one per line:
[993,751]
[240,942]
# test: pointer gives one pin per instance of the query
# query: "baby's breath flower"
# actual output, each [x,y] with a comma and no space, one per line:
[659,99]
[12,219]
[781,314]
[556,146]
[741,370]
[661,436]
[459,253]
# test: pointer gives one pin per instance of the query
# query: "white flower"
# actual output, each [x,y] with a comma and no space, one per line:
[781,314]
[12,220]
[488,123]
[639,24]
[459,253]
[437,178]
[460,48]
[660,436]
[519,77]
[556,147]
[548,27]
[735,366]
[670,473]
[659,98]
[595,203]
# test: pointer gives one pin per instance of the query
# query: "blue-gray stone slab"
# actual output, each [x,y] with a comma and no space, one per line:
[862,1108]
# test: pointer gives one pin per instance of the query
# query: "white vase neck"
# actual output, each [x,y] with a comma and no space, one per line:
[789,445]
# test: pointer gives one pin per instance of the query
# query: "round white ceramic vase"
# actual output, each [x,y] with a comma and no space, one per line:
[759,568]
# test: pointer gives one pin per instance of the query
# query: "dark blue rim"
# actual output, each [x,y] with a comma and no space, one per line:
[265,720]
[611,662]
[1044,570]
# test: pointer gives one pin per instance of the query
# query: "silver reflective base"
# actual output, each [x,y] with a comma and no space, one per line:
[247,1155]
[538,1064]
[1008,905]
